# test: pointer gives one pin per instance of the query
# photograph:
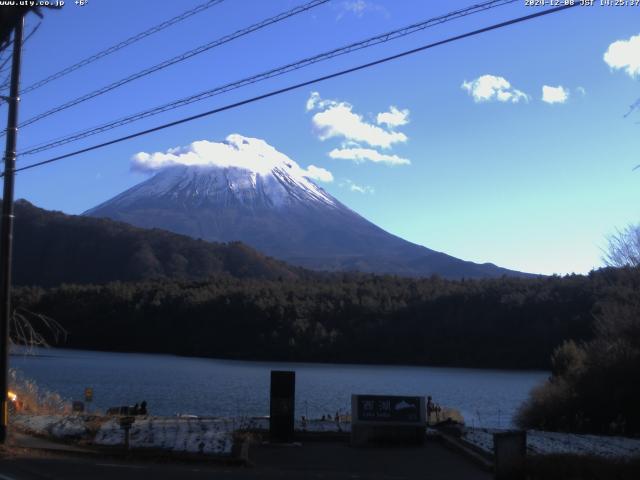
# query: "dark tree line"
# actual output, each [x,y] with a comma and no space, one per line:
[502,323]
[52,248]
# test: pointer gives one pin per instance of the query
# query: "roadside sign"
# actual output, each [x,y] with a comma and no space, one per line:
[88,394]
[388,409]
[388,418]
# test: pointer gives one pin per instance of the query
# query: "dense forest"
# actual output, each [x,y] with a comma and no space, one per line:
[502,323]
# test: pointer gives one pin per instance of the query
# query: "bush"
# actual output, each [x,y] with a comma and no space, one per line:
[594,387]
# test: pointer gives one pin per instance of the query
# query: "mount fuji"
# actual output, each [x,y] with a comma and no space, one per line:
[243,189]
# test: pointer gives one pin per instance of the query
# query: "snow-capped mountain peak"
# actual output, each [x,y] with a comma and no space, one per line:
[244,189]
[240,169]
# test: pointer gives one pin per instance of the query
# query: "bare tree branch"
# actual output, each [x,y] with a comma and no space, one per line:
[34,329]
[623,248]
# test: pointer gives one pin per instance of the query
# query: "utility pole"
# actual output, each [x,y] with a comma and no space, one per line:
[6,228]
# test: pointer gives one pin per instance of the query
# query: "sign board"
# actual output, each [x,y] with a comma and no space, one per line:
[388,409]
[281,411]
[88,394]
[387,419]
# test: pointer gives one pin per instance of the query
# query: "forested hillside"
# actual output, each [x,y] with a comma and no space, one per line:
[51,248]
[502,323]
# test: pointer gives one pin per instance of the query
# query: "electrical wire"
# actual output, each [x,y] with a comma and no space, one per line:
[5,83]
[382,38]
[177,59]
[300,85]
[118,46]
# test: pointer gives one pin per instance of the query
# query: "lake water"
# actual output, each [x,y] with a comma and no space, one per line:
[200,386]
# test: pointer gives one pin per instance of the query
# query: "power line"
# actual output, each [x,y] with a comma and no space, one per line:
[179,58]
[300,85]
[3,67]
[382,38]
[6,83]
[121,45]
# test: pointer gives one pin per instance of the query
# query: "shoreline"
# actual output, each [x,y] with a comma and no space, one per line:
[274,361]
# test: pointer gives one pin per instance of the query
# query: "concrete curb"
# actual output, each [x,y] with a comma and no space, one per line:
[480,458]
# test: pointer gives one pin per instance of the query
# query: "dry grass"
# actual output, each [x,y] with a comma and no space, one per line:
[446,413]
[33,399]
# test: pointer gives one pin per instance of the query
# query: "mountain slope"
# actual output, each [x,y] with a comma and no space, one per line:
[51,248]
[276,209]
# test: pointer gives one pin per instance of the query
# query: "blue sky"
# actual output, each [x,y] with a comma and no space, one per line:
[480,166]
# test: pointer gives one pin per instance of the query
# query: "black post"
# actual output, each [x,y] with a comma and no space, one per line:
[6,229]
[281,411]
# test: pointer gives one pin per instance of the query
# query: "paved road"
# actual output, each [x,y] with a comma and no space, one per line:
[338,460]
[313,460]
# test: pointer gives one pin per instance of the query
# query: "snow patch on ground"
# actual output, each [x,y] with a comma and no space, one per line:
[311,425]
[178,434]
[69,427]
[192,435]
[58,426]
[322,426]
[546,443]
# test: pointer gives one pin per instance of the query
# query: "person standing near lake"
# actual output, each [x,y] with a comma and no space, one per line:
[430,408]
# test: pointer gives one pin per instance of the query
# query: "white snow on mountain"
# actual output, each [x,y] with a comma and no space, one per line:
[202,185]
[243,169]
[238,151]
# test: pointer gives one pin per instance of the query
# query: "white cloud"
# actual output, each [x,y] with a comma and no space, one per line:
[312,101]
[248,153]
[393,118]
[553,95]
[361,140]
[340,121]
[360,155]
[625,54]
[581,90]
[316,102]
[359,189]
[337,119]
[490,87]
[354,187]
[358,8]
[318,173]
